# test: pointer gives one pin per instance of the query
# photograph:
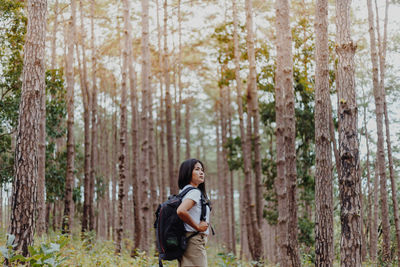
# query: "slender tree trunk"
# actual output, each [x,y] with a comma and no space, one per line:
[86,118]
[290,134]
[163,181]
[380,144]
[69,179]
[168,106]
[144,160]
[369,204]
[178,104]
[123,128]
[324,247]
[252,88]
[135,168]
[245,144]
[94,158]
[224,168]
[253,130]
[374,227]
[333,138]
[218,185]
[187,126]
[382,44]
[52,66]
[349,179]
[115,171]
[24,207]
[107,179]
[54,37]
[283,79]
[231,181]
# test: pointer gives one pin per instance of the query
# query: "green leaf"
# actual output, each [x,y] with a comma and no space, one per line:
[10,240]
[4,252]
[18,257]
[51,262]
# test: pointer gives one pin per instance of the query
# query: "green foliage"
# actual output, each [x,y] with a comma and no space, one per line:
[12,32]
[226,259]
[56,112]
[234,149]
[46,254]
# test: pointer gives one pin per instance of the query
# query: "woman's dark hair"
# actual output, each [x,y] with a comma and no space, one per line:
[185,174]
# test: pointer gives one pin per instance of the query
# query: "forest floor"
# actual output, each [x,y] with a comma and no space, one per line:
[55,249]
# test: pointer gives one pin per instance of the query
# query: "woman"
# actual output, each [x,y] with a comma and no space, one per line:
[191,174]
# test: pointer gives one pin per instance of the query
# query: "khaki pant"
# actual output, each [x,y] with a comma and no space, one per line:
[195,254]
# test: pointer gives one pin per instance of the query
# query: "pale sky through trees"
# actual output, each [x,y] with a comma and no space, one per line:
[198,22]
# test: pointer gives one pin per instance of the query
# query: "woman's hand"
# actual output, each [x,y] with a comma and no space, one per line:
[202,226]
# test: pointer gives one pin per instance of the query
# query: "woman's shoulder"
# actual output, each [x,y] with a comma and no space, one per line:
[193,194]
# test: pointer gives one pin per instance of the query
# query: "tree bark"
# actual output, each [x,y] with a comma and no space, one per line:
[378,96]
[255,207]
[224,168]
[290,134]
[382,44]
[369,204]
[253,108]
[168,106]
[144,160]
[349,179]
[187,126]
[178,104]
[283,79]
[231,190]
[324,246]
[163,177]
[24,205]
[69,179]
[374,227]
[86,99]
[123,127]
[94,156]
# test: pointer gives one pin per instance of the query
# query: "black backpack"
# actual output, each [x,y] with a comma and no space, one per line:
[170,230]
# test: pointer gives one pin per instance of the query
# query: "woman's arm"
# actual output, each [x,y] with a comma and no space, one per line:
[183,213]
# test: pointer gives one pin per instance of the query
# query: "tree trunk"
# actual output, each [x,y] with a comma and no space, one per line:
[224,169]
[369,204]
[54,37]
[69,179]
[290,132]
[374,227]
[324,246]
[253,111]
[187,126]
[231,190]
[283,79]
[94,158]
[255,207]
[380,144]
[163,181]
[114,170]
[246,148]
[382,44]
[178,103]
[349,180]
[144,160]
[123,128]
[86,118]
[24,187]
[168,106]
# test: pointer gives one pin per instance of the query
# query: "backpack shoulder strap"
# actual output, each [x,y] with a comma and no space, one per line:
[203,208]
[184,192]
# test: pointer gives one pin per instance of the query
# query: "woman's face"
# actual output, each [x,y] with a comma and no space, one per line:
[197,175]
